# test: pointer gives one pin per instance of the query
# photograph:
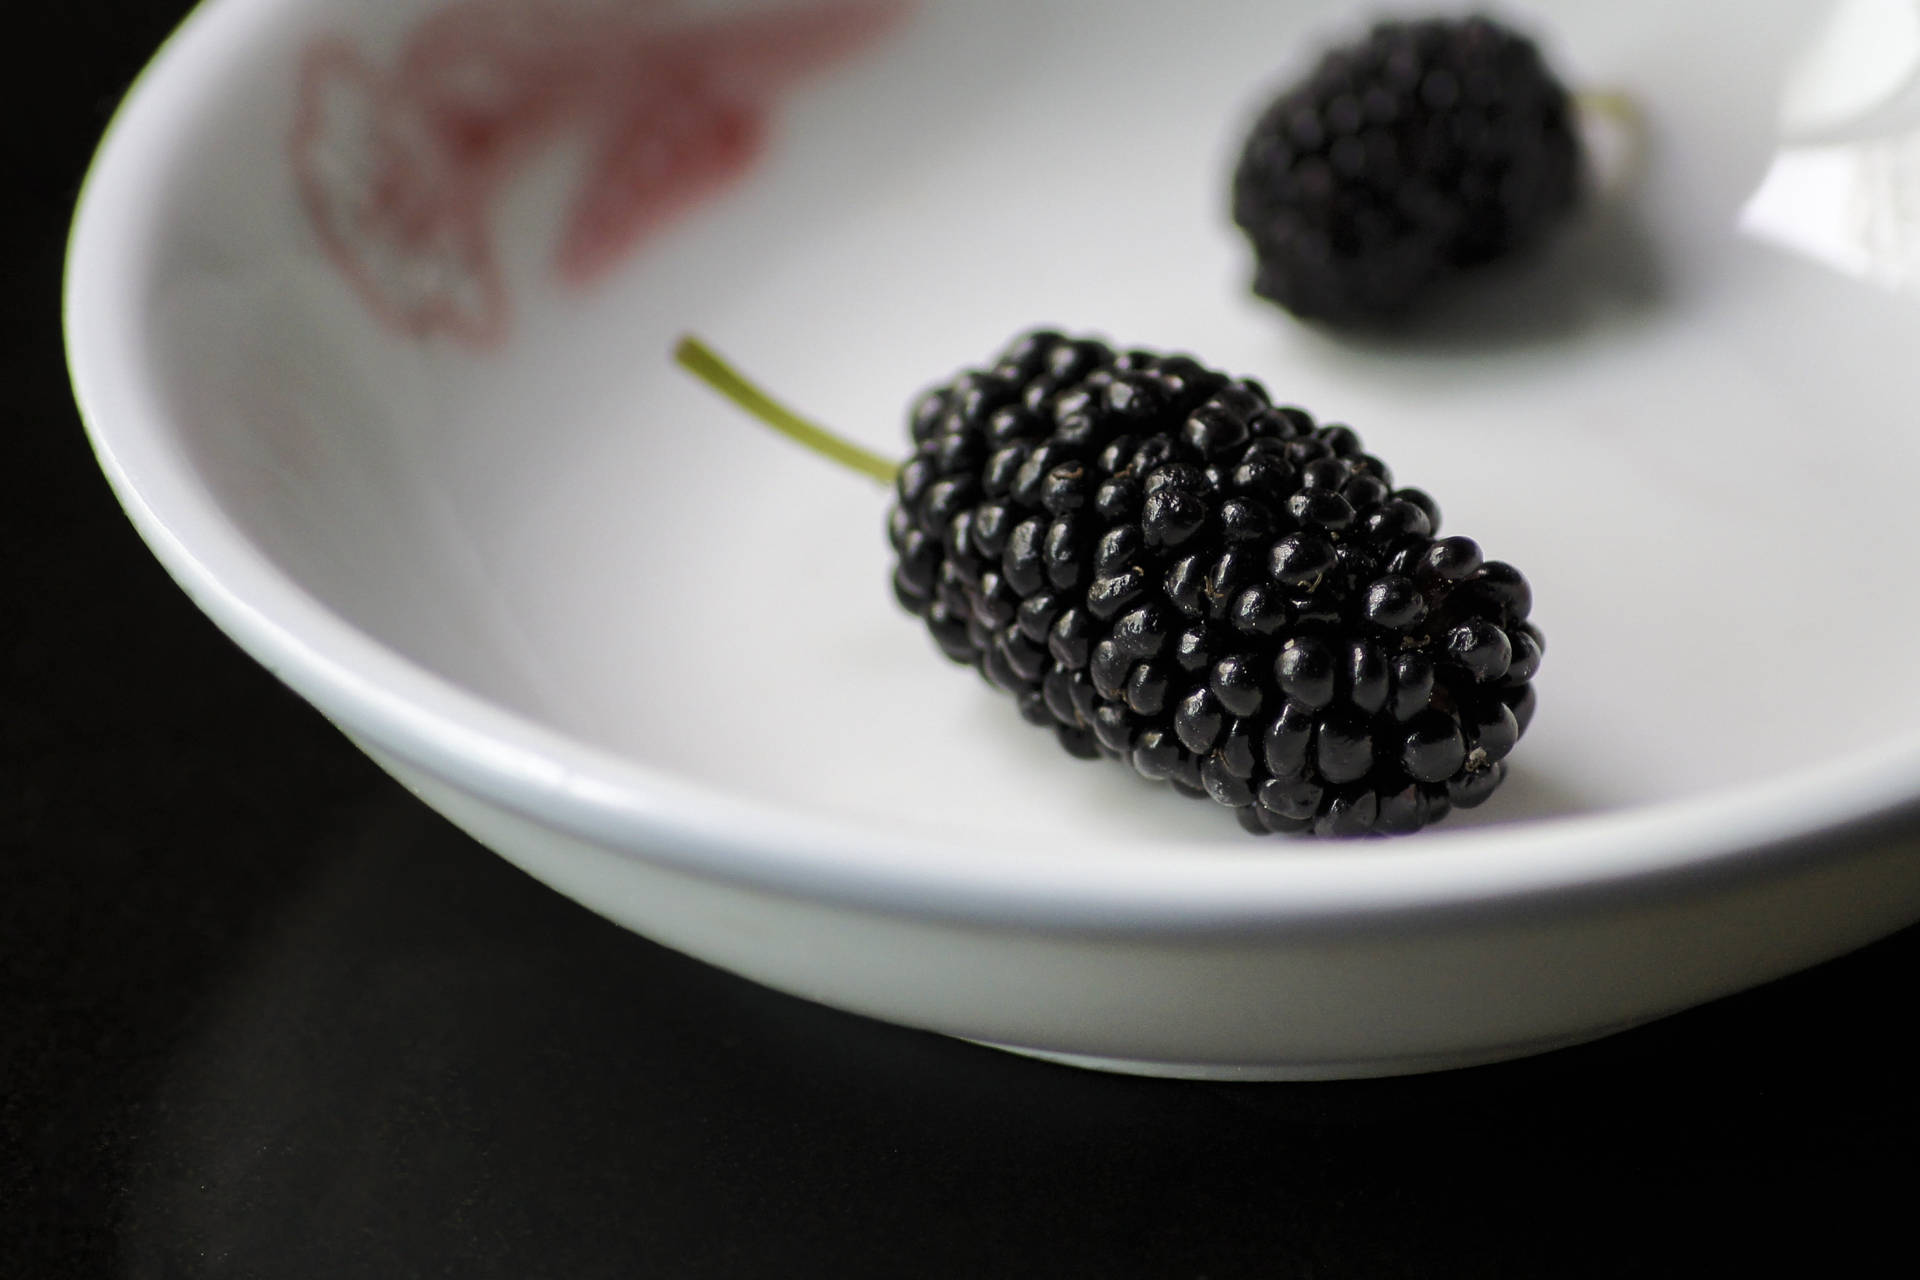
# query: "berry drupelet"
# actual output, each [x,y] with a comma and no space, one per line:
[1424,149]
[1166,569]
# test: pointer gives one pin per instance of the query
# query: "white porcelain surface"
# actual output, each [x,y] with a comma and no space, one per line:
[647,650]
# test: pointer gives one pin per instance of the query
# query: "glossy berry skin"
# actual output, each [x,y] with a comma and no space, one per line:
[1216,591]
[1420,151]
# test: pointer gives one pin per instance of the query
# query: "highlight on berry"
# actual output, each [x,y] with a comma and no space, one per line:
[1418,152]
[1164,568]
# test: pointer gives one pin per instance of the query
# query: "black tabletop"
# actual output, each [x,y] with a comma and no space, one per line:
[262,1014]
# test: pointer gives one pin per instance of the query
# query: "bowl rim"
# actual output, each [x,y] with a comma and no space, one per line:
[1716,838]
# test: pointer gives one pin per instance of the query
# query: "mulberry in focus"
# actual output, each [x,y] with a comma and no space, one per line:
[1425,149]
[1166,569]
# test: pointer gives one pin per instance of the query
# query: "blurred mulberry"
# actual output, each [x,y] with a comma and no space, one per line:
[1423,150]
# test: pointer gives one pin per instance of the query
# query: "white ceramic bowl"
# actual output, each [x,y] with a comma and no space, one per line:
[369,311]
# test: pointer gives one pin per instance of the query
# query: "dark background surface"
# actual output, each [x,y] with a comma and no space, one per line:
[261,1014]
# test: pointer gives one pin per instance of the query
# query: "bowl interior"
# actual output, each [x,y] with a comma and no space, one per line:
[411,290]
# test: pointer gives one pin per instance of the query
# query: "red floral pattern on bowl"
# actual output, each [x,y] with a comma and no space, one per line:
[400,169]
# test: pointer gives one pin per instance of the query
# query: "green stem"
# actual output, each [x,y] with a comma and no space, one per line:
[1618,109]
[698,359]
[1610,104]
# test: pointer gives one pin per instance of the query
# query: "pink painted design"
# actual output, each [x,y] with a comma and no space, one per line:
[400,170]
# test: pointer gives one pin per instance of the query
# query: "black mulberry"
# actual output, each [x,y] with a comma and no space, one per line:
[1216,590]
[1424,149]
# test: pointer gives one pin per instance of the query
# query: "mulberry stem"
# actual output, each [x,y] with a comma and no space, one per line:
[1615,110]
[698,359]
[1609,104]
